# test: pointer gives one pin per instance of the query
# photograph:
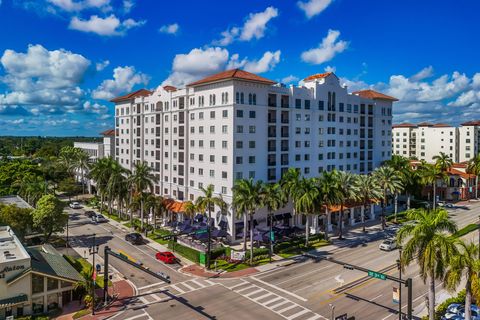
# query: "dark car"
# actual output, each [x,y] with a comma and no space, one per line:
[90,214]
[134,238]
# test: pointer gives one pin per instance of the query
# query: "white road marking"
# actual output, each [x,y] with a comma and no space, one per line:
[278,304]
[201,285]
[262,296]
[151,285]
[339,279]
[304,274]
[246,288]
[298,314]
[137,316]
[376,297]
[280,289]
[315,317]
[187,286]
[238,285]
[177,288]
[253,292]
[286,309]
[266,303]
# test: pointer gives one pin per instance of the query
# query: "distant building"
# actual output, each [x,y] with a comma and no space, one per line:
[426,140]
[16,200]
[33,280]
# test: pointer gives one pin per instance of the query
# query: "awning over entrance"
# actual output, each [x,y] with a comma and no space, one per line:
[174,206]
[9,302]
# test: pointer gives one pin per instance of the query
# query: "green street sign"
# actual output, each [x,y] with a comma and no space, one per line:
[272,236]
[201,231]
[377,275]
[202,258]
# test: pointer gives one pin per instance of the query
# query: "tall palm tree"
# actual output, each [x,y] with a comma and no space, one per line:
[81,162]
[473,167]
[159,209]
[100,173]
[464,265]
[443,161]
[411,181]
[273,200]
[430,243]
[307,202]
[402,166]
[430,174]
[116,183]
[207,202]
[368,191]
[329,193]
[190,209]
[142,179]
[347,186]
[389,182]
[247,198]
[289,182]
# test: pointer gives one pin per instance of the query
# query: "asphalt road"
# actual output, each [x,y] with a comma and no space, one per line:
[305,290]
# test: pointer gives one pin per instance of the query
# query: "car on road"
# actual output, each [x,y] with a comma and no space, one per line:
[388,245]
[89,214]
[98,218]
[75,205]
[134,238]
[449,205]
[166,257]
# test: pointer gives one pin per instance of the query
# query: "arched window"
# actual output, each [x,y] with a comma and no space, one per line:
[452,182]
[213,99]
[226,97]
[254,98]
[159,106]
[242,100]
[223,97]
[459,182]
[249,98]
[237,97]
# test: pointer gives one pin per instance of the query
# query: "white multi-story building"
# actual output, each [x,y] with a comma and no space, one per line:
[426,140]
[236,124]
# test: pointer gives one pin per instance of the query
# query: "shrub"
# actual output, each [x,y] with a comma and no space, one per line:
[442,307]
[187,252]
[257,252]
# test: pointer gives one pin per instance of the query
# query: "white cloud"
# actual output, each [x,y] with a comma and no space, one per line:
[108,26]
[128,5]
[99,66]
[253,28]
[124,79]
[200,62]
[289,79]
[266,63]
[75,6]
[330,69]
[313,7]
[169,28]
[43,78]
[327,49]
[423,74]
[90,107]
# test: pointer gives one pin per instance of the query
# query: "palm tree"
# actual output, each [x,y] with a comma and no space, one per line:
[289,182]
[347,186]
[305,197]
[247,197]
[141,179]
[389,182]
[100,173]
[402,166]
[273,200]
[85,287]
[473,167]
[159,209]
[430,243]
[367,190]
[464,265]
[430,174]
[411,183]
[329,192]
[207,202]
[443,161]
[81,162]
[116,184]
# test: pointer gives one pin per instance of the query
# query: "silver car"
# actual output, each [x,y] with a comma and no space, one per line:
[388,245]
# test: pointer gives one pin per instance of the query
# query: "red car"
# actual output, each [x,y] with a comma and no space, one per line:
[166,257]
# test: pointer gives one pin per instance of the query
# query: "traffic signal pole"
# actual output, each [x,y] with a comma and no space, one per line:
[408,283]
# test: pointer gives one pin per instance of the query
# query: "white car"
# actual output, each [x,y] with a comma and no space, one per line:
[75,205]
[99,218]
[388,245]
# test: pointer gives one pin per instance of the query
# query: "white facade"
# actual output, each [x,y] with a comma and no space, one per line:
[426,140]
[94,149]
[231,128]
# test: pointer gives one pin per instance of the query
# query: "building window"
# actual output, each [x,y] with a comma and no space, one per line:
[252,114]
[239,113]
[52,284]
[251,144]
[224,174]
[37,284]
[251,159]
[225,113]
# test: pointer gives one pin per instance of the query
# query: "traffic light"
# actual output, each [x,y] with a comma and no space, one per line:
[349,267]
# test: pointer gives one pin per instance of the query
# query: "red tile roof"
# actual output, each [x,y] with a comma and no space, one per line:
[131,95]
[471,123]
[174,206]
[372,94]
[441,125]
[169,88]
[404,125]
[462,174]
[108,133]
[318,76]
[425,124]
[232,74]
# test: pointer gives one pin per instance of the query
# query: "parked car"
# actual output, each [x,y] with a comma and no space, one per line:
[89,214]
[99,218]
[388,245]
[449,205]
[166,257]
[134,238]
[75,205]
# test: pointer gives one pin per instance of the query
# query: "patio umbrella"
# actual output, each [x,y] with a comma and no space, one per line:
[219,233]
[198,217]
[201,225]
[258,237]
[201,236]
[187,229]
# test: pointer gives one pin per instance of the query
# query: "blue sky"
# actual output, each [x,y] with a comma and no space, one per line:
[62,60]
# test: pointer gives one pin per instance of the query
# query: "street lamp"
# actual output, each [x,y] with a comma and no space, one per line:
[399,266]
[332,307]
[92,251]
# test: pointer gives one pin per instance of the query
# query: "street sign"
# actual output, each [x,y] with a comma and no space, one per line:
[377,275]
[201,231]
[396,295]
[202,258]
[342,317]
[272,236]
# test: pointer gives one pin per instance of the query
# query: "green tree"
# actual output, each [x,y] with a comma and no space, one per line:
[100,172]
[85,287]
[19,219]
[273,199]
[428,241]
[464,265]
[443,161]
[347,186]
[69,187]
[368,191]
[473,167]
[429,175]
[49,217]
[142,179]
[207,202]
[389,182]
[402,167]
[81,163]
[305,197]
[329,192]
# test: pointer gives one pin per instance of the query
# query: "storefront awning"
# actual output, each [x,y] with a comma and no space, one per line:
[9,302]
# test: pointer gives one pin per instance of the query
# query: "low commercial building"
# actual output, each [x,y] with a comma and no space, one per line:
[33,280]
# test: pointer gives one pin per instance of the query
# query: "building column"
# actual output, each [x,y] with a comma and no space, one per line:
[372,212]
[329,221]
[315,224]
[352,216]
[362,213]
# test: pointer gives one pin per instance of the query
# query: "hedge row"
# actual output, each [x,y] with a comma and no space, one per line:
[187,252]
[295,242]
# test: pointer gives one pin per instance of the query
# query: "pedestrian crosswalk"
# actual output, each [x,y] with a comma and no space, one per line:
[159,291]
[272,301]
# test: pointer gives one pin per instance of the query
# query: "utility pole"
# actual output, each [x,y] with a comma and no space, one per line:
[399,266]
[93,250]
[271,236]
[332,307]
